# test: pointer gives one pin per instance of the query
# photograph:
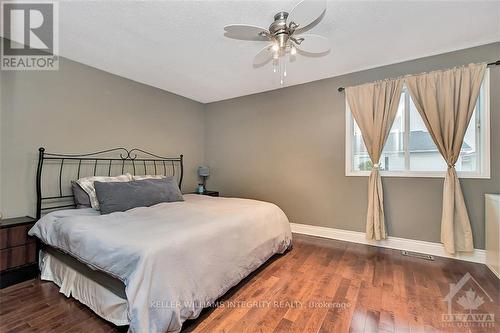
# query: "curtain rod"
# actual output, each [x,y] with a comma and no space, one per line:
[495,63]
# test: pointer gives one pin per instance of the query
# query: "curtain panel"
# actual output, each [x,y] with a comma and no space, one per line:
[374,108]
[446,101]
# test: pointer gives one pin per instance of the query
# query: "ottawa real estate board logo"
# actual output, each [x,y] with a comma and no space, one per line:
[30,35]
[469,305]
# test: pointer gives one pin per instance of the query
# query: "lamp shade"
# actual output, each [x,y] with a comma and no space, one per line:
[203,171]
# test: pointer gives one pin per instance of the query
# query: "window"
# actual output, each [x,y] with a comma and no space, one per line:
[410,151]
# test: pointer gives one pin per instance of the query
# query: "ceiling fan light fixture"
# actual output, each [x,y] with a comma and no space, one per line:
[282,40]
[284,35]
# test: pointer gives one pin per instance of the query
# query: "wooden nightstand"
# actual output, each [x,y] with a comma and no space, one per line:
[17,251]
[209,193]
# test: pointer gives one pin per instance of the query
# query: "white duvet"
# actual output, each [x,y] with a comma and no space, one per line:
[174,258]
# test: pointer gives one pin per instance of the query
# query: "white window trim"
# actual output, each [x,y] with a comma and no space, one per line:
[483,173]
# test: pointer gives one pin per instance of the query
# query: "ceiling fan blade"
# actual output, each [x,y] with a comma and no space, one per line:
[306,12]
[313,44]
[263,56]
[245,32]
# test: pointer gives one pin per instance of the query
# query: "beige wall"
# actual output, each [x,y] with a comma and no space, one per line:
[287,146]
[80,109]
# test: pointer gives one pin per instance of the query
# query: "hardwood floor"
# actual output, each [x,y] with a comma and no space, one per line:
[319,286]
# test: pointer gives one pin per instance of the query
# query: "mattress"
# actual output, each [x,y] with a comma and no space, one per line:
[102,293]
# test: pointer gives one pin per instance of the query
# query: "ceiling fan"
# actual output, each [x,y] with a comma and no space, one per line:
[285,36]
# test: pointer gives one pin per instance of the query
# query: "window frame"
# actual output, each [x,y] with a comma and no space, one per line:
[483,172]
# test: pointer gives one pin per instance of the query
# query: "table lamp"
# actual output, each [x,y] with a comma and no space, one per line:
[204,172]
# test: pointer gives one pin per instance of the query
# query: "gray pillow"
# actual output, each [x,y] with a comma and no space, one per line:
[122,196]
[82,199]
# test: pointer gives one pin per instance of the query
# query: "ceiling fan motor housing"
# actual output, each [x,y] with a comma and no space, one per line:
[280,30]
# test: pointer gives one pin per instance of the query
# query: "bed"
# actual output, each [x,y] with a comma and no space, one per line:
[151,268]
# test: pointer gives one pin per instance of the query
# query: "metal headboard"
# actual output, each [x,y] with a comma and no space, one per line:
[135,161]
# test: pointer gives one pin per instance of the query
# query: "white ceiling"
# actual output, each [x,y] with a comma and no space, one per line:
[179,46]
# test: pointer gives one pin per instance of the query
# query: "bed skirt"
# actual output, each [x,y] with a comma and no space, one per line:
[106,303]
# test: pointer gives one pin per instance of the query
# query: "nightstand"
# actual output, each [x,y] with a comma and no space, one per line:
[17,251]
[209,193]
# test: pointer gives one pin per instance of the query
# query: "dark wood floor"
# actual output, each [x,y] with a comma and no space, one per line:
[319,286]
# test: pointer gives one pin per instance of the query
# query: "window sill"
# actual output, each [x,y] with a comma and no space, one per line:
[418,174]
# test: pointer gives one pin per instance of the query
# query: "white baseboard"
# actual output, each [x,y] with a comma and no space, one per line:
[494,271]
[435,249]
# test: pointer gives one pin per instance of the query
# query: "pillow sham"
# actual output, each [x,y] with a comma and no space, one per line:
[122,196]
[141,177]
[87,184]
[82,199]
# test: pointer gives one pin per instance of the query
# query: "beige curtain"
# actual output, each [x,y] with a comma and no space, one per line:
[446,101]
[374,107]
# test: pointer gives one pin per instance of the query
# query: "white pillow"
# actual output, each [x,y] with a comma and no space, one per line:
[87,184]
[141,177]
